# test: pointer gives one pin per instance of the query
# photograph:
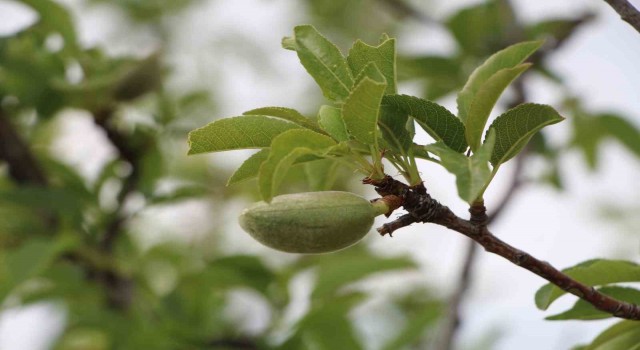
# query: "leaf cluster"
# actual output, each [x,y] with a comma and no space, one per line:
[367,118]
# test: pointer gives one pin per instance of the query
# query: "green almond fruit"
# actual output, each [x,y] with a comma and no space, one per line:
[312,222]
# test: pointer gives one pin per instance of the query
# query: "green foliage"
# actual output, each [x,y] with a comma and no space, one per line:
[330,119]
[623,335]
[483,28]
[250,167]
[595,272]
[472,173]
[52,241]
[324,62]
[286,149]
[582,310]
[361,109]
[287,114]
[436,120]
[382,56]
[515,128]
[233,133]
[371,118]
[589,131]
[490,79]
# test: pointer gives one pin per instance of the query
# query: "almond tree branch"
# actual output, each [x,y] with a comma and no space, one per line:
[23,166]
[119,288]
[627,12]
[423,208]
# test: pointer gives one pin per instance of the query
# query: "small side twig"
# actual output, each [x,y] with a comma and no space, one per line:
[627,12]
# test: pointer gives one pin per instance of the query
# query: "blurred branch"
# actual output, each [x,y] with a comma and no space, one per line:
[423,208]
[403,9]
[132,156]
[23,166]
[119,288]
[627,12]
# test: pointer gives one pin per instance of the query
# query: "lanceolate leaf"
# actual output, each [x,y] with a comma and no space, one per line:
[250,168]
[324,62]
[360,111]
[623,335]
[348,267]
[383,55]
[595,272]
[433,118]
[484,100]
[249,131]
[289,114]
[285,150]
[507,58]
[396,127]
[515,127]
[472,173]
[623,131]
[330,119]
[582,310]
[321,174]
[370,71]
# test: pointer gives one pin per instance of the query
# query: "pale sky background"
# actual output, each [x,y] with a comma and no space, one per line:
[600,65]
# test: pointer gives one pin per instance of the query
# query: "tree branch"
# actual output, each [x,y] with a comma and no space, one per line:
[23,166]
[119,288]
[627,12]
[423,208]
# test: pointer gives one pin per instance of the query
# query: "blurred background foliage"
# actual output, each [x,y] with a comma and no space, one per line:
[92,241]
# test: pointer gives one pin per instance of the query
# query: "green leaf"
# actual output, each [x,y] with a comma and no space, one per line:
[436,120]
[27,261]
[370,71]
[237,133]
[285,150]
[57,19]
[472,173]
[483,28]
[509,57]
[415,327]
[321,174]
[330,119]
[623,131]
[383,56]
[324,62]
[623,335]
[396,127]
[582,310]
[288,114]
[515,128]
[249,168]
[595,272]
[349,266]
[360,111]
[484,100]
[441,75]
[240,270]
[328,327]
[588,132]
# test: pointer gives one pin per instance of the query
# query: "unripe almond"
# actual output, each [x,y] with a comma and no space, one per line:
[312,222]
